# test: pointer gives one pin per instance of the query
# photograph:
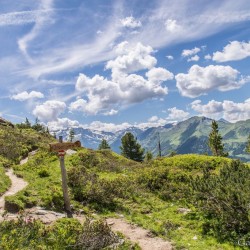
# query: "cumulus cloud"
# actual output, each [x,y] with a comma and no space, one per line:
[132,58]
[159,75]
[101,95]
[49,110]
[190,52]
[177,114]
[200,80]
[194,58]
[229,110]
[108,127]
[62,123]
[208,57]
[24,96]
[111,112]
[232,52]
[172,26]
[131,22]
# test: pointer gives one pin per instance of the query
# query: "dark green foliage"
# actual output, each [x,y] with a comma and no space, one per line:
[104,145]
[215,141]
[64,234]
[15,143]
[224,201]
[4,180]
[96,234]
[43,173]
[248,145]
[87,187]
[71,134]
[131,149]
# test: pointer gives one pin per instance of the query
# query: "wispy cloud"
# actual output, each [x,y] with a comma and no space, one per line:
[23,17]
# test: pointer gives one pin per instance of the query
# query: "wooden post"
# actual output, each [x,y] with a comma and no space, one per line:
[60,149]
[64,186]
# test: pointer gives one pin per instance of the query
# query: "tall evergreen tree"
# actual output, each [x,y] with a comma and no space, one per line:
[248,145]
[71,134]
[27,123]
[104,145]
[131,148]
[215,141]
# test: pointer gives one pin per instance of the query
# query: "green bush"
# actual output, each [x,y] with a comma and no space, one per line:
[224,201]
[43,173]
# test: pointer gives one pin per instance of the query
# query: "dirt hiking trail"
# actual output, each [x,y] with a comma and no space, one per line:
[134,233]
[137,234]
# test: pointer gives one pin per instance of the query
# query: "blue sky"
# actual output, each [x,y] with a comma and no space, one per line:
[109,64]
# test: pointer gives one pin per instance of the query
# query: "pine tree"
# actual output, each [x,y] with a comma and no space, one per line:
[215,141]
[71,134]
[248,145]
[27,123]
[131,148]
[104,145]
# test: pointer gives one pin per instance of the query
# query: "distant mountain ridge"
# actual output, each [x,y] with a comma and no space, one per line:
[188,136]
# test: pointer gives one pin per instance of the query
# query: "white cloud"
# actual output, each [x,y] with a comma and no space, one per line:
[172,26]
[23,17]
[111,112]
[229,110]
[49,110]
[232,52]
[62,123]
[79,105]
[153,118]
[190,52]
[212,109]
[200,80]
[24,96]
[177,114]
[132,58]
[108,127]
[194,58]
[101,95]
[208,57]
[159,75]
[169,57]
[41,20]
[131,22]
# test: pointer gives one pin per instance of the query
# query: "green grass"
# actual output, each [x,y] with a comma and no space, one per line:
[4,180]
[148,195]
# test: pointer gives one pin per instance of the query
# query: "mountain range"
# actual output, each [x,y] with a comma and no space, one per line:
[189,136]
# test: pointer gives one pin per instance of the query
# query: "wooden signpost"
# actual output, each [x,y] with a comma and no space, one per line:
[60,148]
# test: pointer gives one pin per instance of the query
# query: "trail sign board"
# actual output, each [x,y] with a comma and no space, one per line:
[57,147]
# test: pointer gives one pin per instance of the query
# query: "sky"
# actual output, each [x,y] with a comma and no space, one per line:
[111,64]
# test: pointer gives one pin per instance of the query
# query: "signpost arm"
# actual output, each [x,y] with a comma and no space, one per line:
[65,188]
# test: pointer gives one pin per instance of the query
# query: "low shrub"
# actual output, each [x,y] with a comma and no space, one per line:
[223,199]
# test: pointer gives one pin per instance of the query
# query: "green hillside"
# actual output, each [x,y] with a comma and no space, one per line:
[152,195]
[191,136]
[195,201]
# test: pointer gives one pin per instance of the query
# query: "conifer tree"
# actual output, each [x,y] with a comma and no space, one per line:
[215,141]
[27,123]
[71,134]
[248,145]
[131,148]
[104,145]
